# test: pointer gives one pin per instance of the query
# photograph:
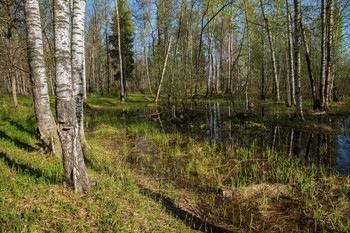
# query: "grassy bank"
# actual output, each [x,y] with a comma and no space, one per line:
[146,180]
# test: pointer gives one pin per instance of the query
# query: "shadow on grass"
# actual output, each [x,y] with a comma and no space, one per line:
[190,220]
[17,142]
[22,128]
[26,169]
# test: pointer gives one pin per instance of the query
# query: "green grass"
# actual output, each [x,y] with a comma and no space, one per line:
[146,180]
[34,199]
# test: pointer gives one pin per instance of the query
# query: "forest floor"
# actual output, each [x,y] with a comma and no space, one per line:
[146,180]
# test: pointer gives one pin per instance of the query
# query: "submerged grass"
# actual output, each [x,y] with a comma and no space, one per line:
[147,180]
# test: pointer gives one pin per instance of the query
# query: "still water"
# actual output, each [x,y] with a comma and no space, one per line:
[222,125]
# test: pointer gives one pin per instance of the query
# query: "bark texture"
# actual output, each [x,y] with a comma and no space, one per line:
[78,74]
[46,123]
[75,172]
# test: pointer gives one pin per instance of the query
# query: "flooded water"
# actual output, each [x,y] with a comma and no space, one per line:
[222,125]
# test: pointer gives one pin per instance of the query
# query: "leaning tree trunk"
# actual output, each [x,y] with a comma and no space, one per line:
[75,172]
[78,74]
[163,70]
[308,63]
[273,57]
[297,66]
[46,123]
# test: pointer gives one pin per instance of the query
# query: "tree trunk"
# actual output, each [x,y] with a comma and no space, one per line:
[329,46]
[209,77]
[163,71]
[108,73]
[323,56]
[46,123]
[290,56]
[13,86]
[229,78]
[308,62]
[297,66]
[146,58]
[273,57]
[122,86]
[75,172]
[78,74]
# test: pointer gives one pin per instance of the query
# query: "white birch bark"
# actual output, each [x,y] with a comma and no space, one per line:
[46,123]
[290,56]
[273,57]
[75,172]
[329,46]
[163,70]
[323,55]
[78,74]
[297,66]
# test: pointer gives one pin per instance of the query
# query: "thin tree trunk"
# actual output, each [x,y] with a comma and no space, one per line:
[249,63]
[288,86]
[108,73]
[163,71]
[308,62]
[209,77]
[229,78]
[46,123]
[13,87]
[329,61]
[146,59]
[262,88]
[273,57]
[122,86]
[75,172]
[297,66]
[290,60]
[323,56]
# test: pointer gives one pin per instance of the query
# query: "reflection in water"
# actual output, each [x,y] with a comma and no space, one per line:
[213,131]
[328,149]
[220,125]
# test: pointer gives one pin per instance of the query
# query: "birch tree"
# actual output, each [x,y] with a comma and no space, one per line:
[290,56]
[297,64]
[75,172]
[272,52]
[323,55]
[46,123]
[78,66]
[329,51]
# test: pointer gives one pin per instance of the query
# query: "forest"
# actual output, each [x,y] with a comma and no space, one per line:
[174,116]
